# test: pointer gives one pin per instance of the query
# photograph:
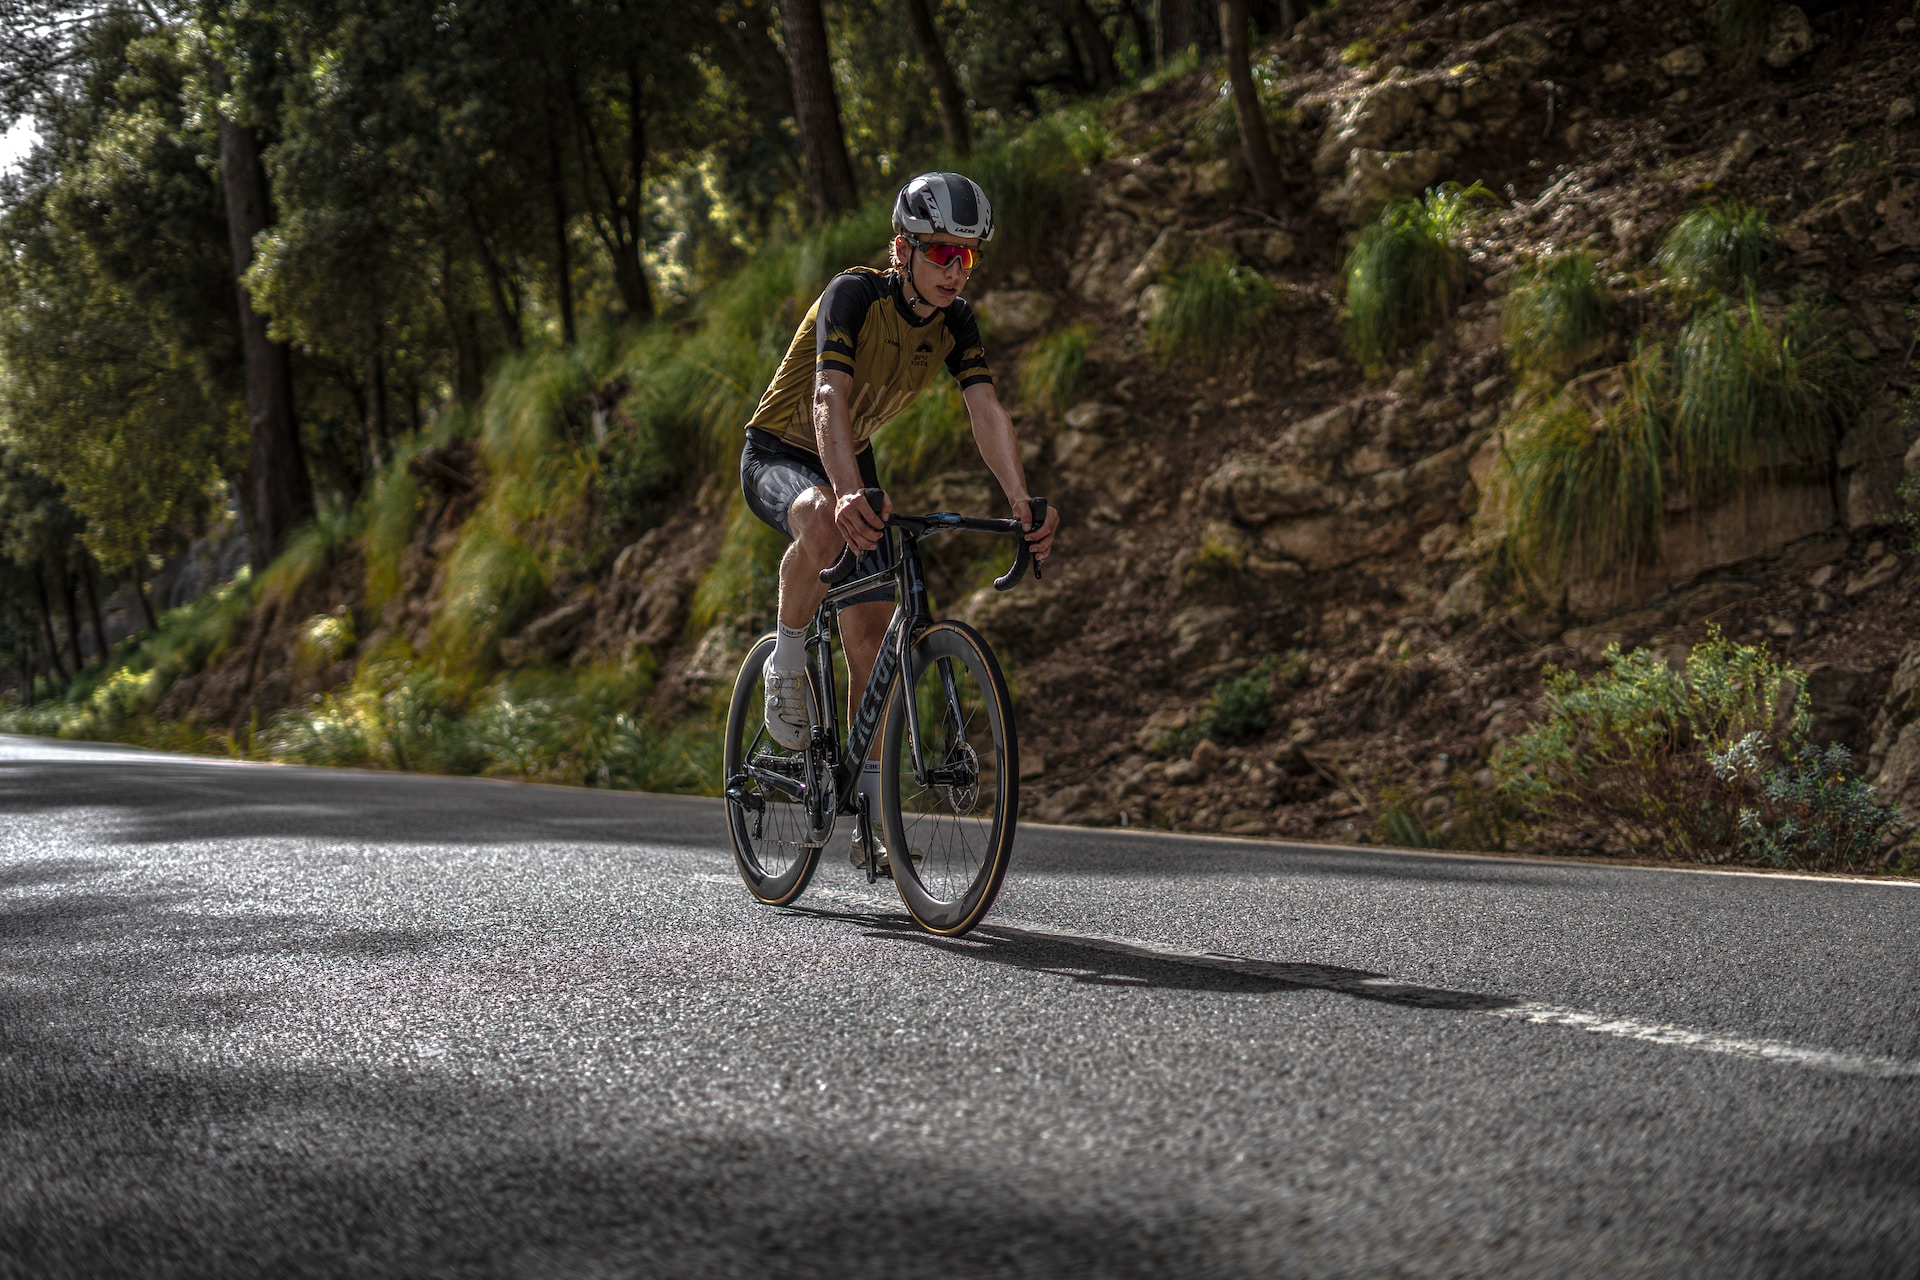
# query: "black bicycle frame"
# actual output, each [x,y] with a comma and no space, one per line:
[911,615]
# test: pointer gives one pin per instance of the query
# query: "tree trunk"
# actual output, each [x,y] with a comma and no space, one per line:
[69,600]
[1180,23]
[378,430]
[1267,191]
[562,248]
[504,311]
[816,109]
[1099,53]
[277,491]
[1142,22]
[93,606]
[146,605]
[46,625]
[946,86]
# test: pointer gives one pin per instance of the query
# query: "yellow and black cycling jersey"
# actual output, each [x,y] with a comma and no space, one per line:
[862,325]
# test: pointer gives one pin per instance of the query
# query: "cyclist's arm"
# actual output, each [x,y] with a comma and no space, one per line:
[858,523]
[1000,449]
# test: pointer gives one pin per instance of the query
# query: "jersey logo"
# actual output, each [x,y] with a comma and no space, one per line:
[926,346]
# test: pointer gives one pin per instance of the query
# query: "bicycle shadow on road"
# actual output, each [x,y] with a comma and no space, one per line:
[1116,963]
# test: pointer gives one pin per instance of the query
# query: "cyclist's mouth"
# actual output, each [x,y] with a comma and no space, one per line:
[944,293]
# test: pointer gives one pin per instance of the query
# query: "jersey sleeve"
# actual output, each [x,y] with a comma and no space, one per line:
[841,311]
[967,362]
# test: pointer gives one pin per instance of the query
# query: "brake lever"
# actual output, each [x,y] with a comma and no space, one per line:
[842,569]
[1023,556]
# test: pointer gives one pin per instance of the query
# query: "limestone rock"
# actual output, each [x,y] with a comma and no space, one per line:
[1465,599]
[1375,179]
[1325,435]
[1843,701]
[1159,258]
[1877,574]
[1899,111]
[1220,179]
[1894,760]
[1684,63]
[1257,492]
[1789,37]
[1899,214]
[1371,120]
[1092,415]
[1014,315]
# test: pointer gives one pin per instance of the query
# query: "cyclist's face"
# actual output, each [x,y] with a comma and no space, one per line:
[938,285]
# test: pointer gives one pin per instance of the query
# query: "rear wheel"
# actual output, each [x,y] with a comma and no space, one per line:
[949,834]
[776,843]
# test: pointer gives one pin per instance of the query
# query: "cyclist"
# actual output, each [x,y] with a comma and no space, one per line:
[865,350]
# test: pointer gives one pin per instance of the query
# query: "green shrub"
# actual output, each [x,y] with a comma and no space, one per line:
[1750,395]
[310,551]
[1667,762]
[930,434]
[492,581]
[1556,317]
[1214,307]
[1035,183]
[1405,272]
[1587,490]
[1361,53]
[1719,247]
[1811,809]
[1055,371]
[743,582]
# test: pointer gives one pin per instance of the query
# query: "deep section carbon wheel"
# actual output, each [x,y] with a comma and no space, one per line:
[949,829]
[775,842]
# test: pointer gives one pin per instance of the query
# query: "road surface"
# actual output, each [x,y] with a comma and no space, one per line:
[272,1021]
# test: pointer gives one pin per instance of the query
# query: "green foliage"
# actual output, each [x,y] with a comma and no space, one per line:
[1750,394]
[1361,53]
[1811,809]
[310,551]
[1034,181]
[1405,272]
[743,583]
[1055,370]
[1587,489]
[1214,307]
[1667,762]
[930,434]
[1556,316]
[492,582]
[1240,708]
[1720,247]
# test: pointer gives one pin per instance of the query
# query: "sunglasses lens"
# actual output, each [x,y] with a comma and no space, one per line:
[946,255]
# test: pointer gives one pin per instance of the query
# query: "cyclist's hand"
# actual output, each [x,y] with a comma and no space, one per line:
[1041,539]
[857,521]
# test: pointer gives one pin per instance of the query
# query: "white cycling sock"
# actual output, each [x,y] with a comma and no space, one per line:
[789,649]
[870,785]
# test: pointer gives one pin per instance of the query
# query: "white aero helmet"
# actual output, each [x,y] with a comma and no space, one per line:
[943,202]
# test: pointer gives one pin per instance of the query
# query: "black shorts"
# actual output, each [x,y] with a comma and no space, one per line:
[773,473]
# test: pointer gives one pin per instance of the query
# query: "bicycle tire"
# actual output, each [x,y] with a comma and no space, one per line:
[949,842]
[772,844]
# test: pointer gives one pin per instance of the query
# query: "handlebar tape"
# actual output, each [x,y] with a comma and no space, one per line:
[1023,552]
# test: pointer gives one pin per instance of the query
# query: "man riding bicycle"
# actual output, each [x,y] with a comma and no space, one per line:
[865,350]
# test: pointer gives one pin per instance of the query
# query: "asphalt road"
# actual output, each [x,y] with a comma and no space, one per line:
[273,1021]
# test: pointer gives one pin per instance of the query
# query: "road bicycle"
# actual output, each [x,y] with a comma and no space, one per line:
[949,761]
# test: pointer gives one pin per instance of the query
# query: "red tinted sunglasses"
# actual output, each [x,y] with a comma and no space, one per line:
[947,255]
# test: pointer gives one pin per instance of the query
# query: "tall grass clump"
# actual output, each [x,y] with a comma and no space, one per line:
[492,582]
[1710,763]
[1750,395]
[1035,183]
[1055,370]
[1405,272]
[1720,247]
[1587,489]
[1214,307]
[931,433]
[743,583]
[1556,316]
[310,551]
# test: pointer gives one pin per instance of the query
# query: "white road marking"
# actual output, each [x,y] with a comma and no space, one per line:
[1527,1012]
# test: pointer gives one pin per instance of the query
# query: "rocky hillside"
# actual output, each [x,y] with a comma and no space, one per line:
[1275,508]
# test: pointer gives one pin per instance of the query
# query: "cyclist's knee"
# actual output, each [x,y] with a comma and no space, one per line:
[811,520]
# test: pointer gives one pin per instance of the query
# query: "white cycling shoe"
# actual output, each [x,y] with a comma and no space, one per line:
[786,710]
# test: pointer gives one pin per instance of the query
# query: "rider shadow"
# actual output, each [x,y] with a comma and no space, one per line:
[1111,963]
